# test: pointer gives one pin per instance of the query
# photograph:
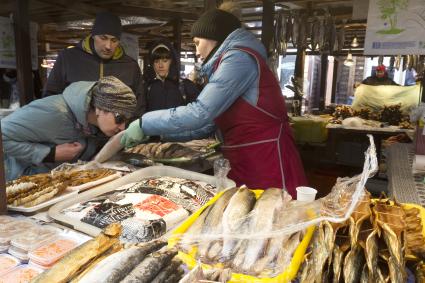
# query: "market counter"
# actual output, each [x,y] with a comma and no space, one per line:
[404,185]
[310,129]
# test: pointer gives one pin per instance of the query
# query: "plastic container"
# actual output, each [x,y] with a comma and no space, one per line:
[306,194]
[286,276]
[7,263]
[51,252]
[44,267]
[22,274]
[154,171]
[22,255]
[6,220]
[34,238]
[12,229]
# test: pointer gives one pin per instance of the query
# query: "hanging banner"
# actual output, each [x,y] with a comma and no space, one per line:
[7,44]
[130,43]
[395,27]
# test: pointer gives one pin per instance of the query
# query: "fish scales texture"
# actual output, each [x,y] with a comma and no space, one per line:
[353,264]
[213,223]
[264,212]
[115,267]
[234,217]
[194,230]
[279,246]
[166,272]
[149,267]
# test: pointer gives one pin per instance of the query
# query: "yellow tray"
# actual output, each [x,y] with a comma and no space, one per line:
[287,275]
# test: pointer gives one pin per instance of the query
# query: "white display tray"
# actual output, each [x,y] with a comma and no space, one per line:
[55,211]
[92,184]
[66,194]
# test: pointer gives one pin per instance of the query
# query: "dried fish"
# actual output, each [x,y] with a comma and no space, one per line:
[150,267]
[194,230]
[371,254]
[167,271]
[337,264]
[341,36]
[353,264]
[68,266]
[115,267]
[295,29]
[213,223]
[289,27]
[265,210]
[234,218]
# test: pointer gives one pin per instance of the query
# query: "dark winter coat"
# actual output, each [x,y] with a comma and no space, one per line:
[81,63]
[171,92]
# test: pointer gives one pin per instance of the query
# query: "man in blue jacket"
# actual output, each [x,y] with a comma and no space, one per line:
[66,127]
[99,54]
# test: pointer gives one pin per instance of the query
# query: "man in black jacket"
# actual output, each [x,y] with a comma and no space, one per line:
[96,56]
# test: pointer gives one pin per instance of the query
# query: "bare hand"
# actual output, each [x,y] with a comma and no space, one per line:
[67,151]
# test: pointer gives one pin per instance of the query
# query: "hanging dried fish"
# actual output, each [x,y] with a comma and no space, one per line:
[295,30]
[302,36]
[397,62]
[322,34]
[289,27]
[315,32]
[341,36]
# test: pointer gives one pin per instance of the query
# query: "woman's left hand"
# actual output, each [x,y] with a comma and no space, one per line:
[133,135]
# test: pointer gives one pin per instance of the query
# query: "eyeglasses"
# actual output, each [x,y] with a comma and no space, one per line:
[119,119]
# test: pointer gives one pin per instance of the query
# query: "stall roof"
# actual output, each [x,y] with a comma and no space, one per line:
[63,23]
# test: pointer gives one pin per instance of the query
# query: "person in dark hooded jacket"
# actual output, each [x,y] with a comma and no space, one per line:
[164,88]
[99,54]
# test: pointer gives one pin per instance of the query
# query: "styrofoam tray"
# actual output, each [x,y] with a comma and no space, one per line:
[153,171]
[95,183]
[68,193]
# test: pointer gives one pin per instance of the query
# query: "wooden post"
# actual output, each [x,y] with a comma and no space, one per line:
[3,202]
[21,27]
[323,76]
[267,24]
[177,30]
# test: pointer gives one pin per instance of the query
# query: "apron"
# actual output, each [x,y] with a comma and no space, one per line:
[258,140]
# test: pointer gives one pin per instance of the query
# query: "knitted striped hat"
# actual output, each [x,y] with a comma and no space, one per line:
[112,95]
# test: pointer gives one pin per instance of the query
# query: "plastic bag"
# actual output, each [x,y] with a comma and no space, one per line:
[221,169]
[112,147]
[259,237]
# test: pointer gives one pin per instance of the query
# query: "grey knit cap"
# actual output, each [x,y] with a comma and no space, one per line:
[112,95]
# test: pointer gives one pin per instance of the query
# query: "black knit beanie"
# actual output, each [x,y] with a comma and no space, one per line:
[112,95]
[215,24]
[107,23]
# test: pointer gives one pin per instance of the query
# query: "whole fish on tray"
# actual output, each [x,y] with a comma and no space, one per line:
[147,270]
[116,266]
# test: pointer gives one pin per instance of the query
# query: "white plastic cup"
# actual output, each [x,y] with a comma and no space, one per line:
[306,194]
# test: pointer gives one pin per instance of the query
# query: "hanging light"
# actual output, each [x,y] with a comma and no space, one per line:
[349,60]
[355,42]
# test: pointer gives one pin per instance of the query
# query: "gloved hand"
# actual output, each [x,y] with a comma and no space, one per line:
[133,135]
